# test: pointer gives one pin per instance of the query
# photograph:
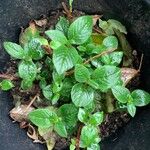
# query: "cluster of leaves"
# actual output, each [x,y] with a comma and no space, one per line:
[82,65]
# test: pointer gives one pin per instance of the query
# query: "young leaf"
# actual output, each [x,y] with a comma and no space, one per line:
[94,147]
[113,58]
[55,98]
[82,95]
[64,58]
[68,113]
[131,109]
[110,42]
[83,115]
[42,83]
[82,74]
[96,119]
[6,85]
[57,36]
[35,48]
[47,92]
[43,118]
[63,25]
[121,93]
[80,30]
[54,44]
[140,98]
[27,70]
[14,50]
[60,128]
[107,77]
[93,84]
[88,135]
[26,84]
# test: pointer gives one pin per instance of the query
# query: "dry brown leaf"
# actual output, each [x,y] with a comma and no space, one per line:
[95,19]
[33,134]
[20,113]
[127,74]
[41,22]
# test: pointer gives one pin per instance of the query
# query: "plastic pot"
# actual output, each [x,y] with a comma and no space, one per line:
[133,13]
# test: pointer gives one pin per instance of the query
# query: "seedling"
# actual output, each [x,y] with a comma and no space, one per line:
[81,64]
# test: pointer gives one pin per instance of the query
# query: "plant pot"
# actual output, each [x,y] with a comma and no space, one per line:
[133,13]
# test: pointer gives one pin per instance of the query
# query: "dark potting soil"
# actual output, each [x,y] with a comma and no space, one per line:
[112,121]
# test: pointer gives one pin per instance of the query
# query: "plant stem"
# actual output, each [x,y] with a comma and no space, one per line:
[32,101]
[78,138]
[99,55]
[92,58]
[67,11]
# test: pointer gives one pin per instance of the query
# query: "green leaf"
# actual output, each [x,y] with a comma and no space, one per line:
[117,25]
[63,25]
[14,50]
[64,58]
[6,85]
[57,77]
[110,42]
[55,98]
[140,98]
[60,128]
[93,84]
[35,48]
[47,92]
[28,34]
[83,115]
[42,83]
[43,118]
[26,84]
[27,70]
[131,109]
[121,93]
[82,95]
[88,136]
[54,45]
[57,36]
[107,77]
[113,58]
[82,74]
[94,147]
[67,86]
[69,113]
[96,119]
[72,147]
[80,30]
[81,48]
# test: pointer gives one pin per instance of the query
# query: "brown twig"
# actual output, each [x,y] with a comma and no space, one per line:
[78,138]
[67,11]
[31,102]
[7,76]
[92,58]
[99,55]
[98,31]
[141,61]
[47,49]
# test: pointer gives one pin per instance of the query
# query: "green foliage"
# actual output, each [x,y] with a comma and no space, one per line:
[82,95]
[77,81]
[111,25]
[27,70]
[14,50]
[107,77]
[6,85]
[82,74]
[64,58]
[89,136]
[63,25]
[80,30]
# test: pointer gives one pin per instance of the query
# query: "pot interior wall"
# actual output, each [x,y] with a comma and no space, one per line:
[133,13]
